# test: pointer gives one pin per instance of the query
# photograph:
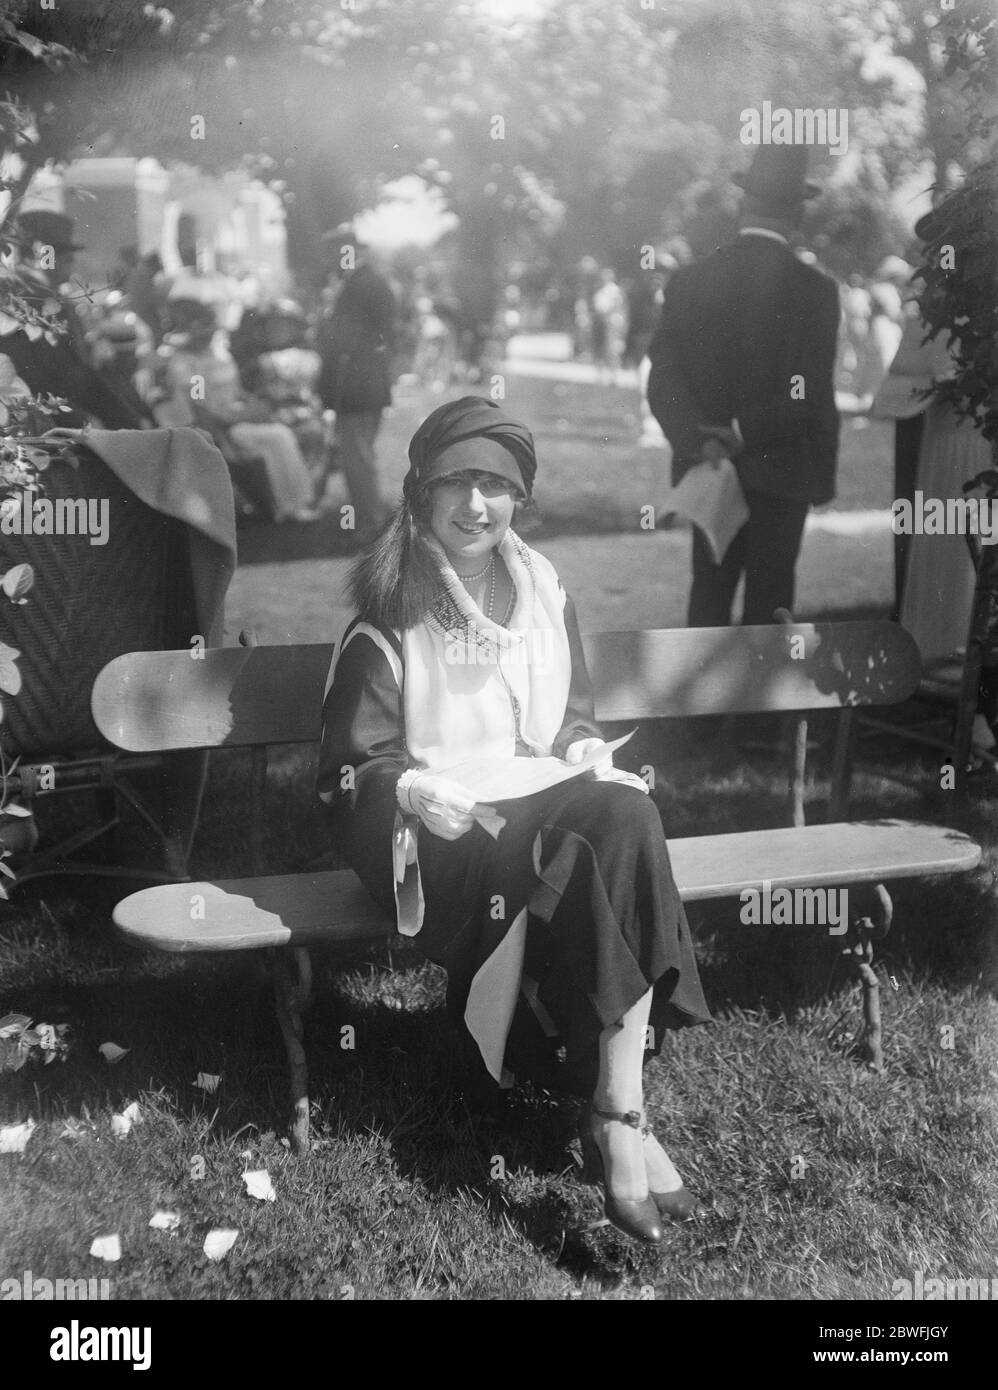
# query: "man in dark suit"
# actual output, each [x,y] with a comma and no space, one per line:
[44,249]
[748,336]
[356,343]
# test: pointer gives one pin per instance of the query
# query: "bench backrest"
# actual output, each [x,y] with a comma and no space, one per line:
[237,697]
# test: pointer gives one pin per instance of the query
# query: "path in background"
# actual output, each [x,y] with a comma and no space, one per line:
[617,582]
[593,480]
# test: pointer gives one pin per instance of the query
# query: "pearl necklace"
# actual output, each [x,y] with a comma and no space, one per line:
[486,605]
[465,578]
[489,600]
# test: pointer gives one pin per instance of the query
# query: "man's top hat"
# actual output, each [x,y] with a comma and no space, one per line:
[53,229]
[777,175]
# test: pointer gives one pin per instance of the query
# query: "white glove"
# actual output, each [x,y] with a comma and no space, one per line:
[582,748]
[444,807]
[604,771]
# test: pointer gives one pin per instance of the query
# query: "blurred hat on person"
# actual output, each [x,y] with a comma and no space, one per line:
[777,177]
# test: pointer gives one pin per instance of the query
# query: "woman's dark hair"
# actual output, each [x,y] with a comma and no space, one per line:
[396,581]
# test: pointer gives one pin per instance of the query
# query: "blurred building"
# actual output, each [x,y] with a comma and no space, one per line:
[228,223]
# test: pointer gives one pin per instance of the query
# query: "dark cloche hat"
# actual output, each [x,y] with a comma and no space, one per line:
[471,417]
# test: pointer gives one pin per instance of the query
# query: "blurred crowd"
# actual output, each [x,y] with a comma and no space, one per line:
[293,394]
[288,395]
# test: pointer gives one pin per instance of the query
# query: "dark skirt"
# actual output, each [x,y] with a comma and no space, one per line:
[605,921]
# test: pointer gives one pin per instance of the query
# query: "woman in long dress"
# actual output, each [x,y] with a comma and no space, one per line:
[938,597]
[203,388]
[556,914]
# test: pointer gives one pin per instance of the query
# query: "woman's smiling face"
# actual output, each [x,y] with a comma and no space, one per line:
[472,508]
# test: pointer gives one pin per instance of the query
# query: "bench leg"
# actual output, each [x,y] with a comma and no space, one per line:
[870,1043]
[871,914]
[292,983]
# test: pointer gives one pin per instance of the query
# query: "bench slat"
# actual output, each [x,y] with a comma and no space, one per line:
[230,697]
[750,670]
[237,697]
[249,913]
[302,909]
[719,866]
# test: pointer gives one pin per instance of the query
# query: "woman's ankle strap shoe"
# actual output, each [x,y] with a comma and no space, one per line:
[634,1118]
[636,1217]
[679,1204]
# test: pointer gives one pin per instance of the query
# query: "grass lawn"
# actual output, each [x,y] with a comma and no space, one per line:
[818,1179]
[413,1193]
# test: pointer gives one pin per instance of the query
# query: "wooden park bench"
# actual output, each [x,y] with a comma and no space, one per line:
[254,697]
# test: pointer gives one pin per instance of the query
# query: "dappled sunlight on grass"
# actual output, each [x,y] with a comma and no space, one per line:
[414,1190]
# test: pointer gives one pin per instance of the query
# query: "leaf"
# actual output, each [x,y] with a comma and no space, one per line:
[107,1248]
[17,581]
[206,1081]
[11,808]
[112,1053]
[13,1023]
[6,870]
[10,676]
[218,1243]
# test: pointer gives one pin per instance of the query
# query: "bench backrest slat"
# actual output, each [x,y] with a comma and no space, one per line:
[245,696]
[749,670]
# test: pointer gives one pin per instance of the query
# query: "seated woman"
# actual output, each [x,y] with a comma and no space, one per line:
[465,646]
[238,422]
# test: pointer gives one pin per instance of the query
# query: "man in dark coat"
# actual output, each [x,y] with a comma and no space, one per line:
[749,335]
[356,343]
[44,249]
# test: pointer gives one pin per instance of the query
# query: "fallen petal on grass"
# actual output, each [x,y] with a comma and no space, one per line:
[218,1243]
[107,1248]
[258,1185]
[165,1220]
[14,1138]
[131,1115]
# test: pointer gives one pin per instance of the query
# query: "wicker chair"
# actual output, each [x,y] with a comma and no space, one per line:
[89,604]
